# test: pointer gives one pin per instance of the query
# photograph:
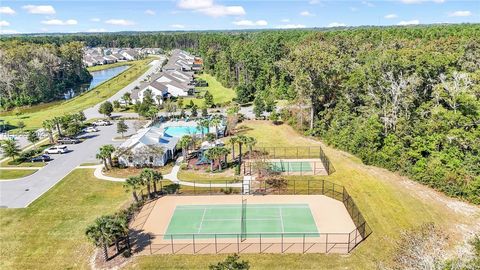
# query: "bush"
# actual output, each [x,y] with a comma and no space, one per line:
[237,169]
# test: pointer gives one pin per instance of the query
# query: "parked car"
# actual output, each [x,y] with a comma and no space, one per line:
[102,123]
[58,149]
[66,140]
[90,129]
[41,158]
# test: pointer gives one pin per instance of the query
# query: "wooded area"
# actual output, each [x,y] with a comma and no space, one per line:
[32,73]
[404,98]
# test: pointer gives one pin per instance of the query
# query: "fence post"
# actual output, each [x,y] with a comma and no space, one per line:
[282,233]
[216,244]
[193,238]
[238,245]
[308,187]
[171,242]
[260,243]
[348,247]
[150,242]
[326,244]
[323,187]
[303,245]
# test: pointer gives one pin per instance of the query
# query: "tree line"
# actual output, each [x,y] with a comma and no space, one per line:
[32,73]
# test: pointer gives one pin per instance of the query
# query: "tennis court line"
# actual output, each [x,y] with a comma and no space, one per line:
[234,219]
[239,206]
[201,222]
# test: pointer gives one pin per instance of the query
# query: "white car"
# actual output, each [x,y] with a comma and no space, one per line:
[58,149]
[90,129]
[102,123]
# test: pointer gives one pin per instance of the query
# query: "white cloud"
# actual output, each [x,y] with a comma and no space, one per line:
[60,22]
[150,12]
[195,4]
[411,22]
[8,32]
[39,9]
[353,9]
[336,24]
[250,23]
[314,2]
[4,23]
[460,13]
[285,20]
[306,13]
[96,30]
[7,10]
[95,19]
[220,11]
[290,26]
[208,7]
[391,16]
[368,4]
[421,1]
[122,22]
[179,26]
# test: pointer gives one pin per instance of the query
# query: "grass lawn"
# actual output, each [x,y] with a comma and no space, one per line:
[14,174]
[220,93]
[23,164]
[107,66]
[49,234]
[35,115]
[206,177]
[389,202]
[127,172]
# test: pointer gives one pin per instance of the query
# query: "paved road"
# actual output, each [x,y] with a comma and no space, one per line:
[154,66]
[20,193]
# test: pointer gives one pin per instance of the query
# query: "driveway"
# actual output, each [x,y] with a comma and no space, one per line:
[20,193]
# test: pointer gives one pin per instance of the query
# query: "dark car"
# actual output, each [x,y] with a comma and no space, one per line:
[41,158]
[68,141]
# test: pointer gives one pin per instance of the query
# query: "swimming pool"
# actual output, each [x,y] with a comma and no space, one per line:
[179,131]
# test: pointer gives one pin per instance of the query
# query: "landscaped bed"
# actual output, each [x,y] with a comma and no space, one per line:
[130,171]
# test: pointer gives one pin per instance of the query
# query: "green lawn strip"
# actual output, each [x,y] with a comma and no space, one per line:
[34,118]
[50,233]
[127,172]
[206,177]
[107,66]
[220,93]
[14,174]
[386,203]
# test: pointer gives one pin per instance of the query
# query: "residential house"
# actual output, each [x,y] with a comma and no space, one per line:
[130,54]
[158,90]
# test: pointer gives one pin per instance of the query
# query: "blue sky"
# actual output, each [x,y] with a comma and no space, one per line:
[153,15]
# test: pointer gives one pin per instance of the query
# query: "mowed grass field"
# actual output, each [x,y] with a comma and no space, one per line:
[389,203]
[34,116]
[220,93]
[49,234]
[14,174]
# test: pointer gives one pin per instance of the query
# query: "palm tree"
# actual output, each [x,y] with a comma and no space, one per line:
[10,148]
[100,234]
[100,155]
[250,143]
[56,122]
[233,141]
[202,124]
[241,140]
[33,138]
[149,177]
[133,184]
[222,152]
[211,155]
[106,152]
[184,143]
[216,121]
[48,125]
[119,229]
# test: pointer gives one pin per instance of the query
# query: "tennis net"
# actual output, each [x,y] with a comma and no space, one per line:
[244,220]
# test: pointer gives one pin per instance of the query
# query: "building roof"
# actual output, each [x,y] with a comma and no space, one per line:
[151,136]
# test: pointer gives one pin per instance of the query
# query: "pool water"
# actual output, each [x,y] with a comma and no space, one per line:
[179,131]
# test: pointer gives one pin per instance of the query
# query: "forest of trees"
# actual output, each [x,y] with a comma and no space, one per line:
[32,73]
[404,98]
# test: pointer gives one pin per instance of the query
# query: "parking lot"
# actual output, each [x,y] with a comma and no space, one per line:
[21,192]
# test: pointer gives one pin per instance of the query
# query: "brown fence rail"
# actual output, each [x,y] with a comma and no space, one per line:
[295,152]
[262,243]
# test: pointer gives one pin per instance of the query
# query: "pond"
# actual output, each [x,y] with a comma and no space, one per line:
[98,78]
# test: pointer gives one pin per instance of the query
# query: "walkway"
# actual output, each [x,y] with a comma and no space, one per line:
[172,176]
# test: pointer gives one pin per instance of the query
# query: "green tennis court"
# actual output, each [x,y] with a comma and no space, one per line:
[291,166]
[206,220]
